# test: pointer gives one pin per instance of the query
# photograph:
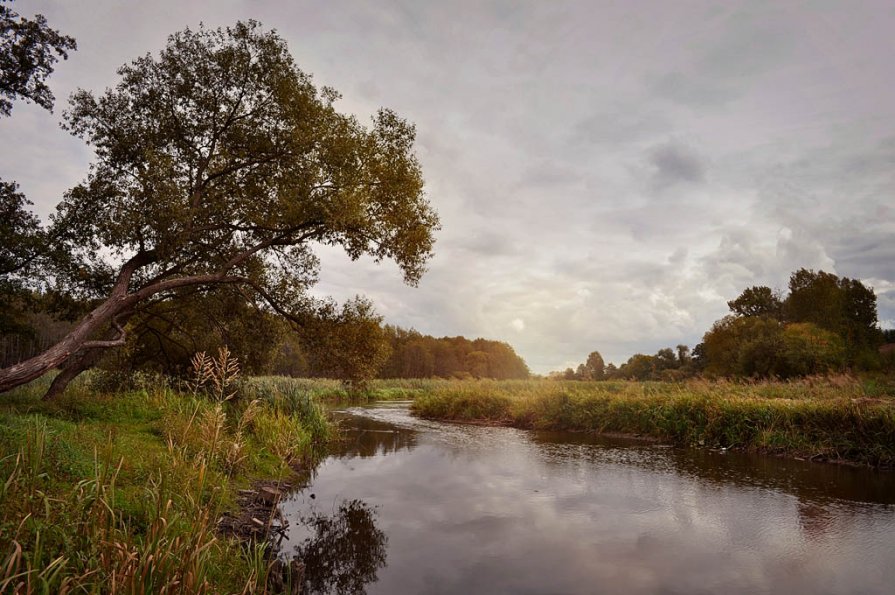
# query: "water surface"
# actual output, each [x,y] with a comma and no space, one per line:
[415,506]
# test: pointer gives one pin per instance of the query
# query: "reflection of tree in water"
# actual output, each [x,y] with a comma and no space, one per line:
[344,551]
[815,521]
[369,438]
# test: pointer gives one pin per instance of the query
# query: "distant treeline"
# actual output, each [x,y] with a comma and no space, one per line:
[414,355]
[408,354]
[350,343]
[824,324]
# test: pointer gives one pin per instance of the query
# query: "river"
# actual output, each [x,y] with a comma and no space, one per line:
[413,506]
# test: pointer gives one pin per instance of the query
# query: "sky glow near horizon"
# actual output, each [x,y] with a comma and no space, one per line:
[608,174]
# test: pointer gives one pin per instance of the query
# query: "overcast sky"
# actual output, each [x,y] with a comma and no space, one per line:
[608,174]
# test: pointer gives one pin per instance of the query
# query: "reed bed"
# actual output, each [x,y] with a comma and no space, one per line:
[835,418]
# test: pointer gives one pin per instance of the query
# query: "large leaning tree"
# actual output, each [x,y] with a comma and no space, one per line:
[219,162]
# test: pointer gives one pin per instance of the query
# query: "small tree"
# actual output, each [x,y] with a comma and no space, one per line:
[347,343]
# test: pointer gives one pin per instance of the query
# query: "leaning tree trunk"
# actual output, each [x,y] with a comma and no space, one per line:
[78,338]
[82,361]
[35,367]
[118,302]
[110,311]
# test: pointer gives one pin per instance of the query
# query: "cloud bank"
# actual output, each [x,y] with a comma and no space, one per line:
[608,174]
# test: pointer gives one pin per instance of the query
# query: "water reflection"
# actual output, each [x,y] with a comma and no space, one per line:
[367,437]
[342,551]
[811,482]
[496,510]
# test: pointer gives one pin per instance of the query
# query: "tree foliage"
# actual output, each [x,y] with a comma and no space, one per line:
[220,163]
[422,356]
[666,364]
[843,306]
[165,335]
[21,237]
[764,347]
[594,367]
[824,324]
[29,49]
[347,343]
[757,301]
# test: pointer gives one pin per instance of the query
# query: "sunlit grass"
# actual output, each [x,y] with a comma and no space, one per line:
[837,418]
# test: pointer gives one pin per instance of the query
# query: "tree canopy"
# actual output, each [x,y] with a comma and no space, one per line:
[757,301]
[29,49]
[219,162]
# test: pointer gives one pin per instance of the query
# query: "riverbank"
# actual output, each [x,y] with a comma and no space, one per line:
[143,490]
[838,419]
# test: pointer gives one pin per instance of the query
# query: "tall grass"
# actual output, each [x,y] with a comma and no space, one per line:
[830,418]
[122,492]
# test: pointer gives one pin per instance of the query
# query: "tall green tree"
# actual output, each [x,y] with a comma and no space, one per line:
[219,162]
[843,306]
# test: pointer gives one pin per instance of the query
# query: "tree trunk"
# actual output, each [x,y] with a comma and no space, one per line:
[118,302]
[82,361]
[37,366]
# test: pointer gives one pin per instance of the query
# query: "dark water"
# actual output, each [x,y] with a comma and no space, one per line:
[412,506]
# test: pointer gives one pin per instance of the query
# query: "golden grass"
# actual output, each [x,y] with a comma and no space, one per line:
[835,418]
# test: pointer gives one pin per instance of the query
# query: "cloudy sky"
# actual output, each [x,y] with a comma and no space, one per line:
[608,174]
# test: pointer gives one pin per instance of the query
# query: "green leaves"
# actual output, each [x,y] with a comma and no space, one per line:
[221,145]
[29,49]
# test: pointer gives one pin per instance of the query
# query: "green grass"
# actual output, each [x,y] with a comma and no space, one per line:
[121,492]
[324,390]
[838,418]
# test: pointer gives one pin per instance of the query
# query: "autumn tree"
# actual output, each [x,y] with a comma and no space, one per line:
[218,162]
[415,355]
[760,346]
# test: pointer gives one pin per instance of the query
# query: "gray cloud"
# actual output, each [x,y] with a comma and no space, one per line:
[607,174]
[674,163]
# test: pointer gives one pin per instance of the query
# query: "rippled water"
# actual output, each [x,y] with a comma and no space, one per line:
[413,506]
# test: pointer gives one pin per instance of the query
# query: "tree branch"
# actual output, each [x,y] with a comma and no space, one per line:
[118,341]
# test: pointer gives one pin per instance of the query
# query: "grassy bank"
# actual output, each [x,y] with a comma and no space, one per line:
[122,492]
[839,419]
[333,391]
